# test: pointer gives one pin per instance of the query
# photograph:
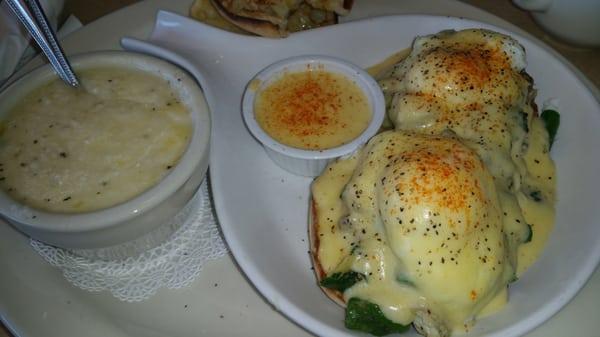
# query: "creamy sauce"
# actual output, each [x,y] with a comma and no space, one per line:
[520,195]
[381,69]
[539,213]
[313,109]
[67,150]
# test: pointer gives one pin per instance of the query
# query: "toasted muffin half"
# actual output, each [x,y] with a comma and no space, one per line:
[313,230]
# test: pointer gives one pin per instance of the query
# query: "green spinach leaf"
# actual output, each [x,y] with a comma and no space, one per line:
[530,234]
[552,120]
[524,121]
[367,317]
[341,281]
[536,196]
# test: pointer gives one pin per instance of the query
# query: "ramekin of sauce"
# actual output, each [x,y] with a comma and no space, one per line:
[308,110]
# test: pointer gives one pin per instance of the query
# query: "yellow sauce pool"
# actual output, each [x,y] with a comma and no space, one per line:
[313,109]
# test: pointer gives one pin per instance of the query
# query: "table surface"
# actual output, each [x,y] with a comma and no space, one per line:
[585,59]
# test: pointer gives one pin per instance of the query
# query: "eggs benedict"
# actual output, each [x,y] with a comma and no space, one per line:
[429,223]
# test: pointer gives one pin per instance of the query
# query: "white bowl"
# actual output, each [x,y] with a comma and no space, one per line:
[310,163]
[143,221]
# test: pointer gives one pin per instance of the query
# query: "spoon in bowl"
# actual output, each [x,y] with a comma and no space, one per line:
[31,15]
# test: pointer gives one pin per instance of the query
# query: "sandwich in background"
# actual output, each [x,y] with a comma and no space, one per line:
[269,18]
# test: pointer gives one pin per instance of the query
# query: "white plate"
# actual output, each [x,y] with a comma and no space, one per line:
[35,300]
[263,210]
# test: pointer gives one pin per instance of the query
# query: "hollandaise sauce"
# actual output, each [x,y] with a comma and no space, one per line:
[537,203]
[380,69]
[313,109]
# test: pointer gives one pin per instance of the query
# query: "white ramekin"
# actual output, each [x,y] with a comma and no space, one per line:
[143,221]
[310,163]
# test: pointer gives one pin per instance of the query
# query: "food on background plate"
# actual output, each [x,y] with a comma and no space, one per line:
[270,18]
[429,223]
[203,10]
[313,109]
[76,150]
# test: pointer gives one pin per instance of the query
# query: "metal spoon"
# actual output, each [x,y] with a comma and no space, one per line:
[31,15]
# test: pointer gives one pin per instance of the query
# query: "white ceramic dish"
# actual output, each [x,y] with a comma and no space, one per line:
[137,224]
[36,300]
[310,163]
[263,219]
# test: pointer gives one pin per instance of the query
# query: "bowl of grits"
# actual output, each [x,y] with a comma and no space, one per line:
[105,164]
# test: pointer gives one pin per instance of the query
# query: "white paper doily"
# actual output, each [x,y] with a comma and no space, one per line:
[173,264]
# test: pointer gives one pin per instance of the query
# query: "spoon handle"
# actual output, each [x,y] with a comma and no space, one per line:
[31,15]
